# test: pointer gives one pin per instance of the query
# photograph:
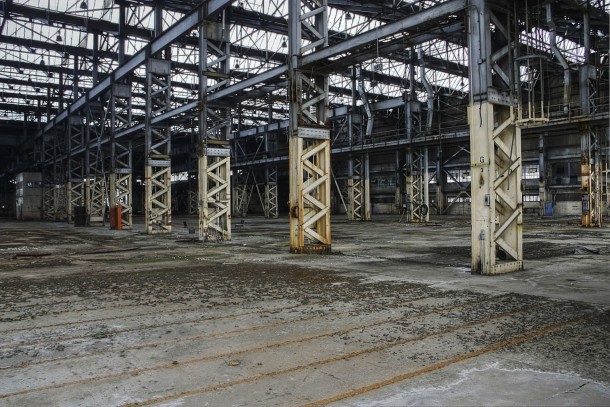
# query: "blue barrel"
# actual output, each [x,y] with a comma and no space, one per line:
[548,209]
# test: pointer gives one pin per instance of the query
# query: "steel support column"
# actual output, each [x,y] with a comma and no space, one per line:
[358,184]
[214,168]
[76,165]
[416,182]
[158,167]
[193,199]
[606,168]
[416,199]
[215,193]
[495,143]
[591,178]
[542,184]
[460,154]
[120,188]
[48,176]
[309,134]
[241,192]
[591,158]
[54,185]
[354,190]
[60,170]
[397,193]
[367,187]
[440,182]
[271,206]
[95,185]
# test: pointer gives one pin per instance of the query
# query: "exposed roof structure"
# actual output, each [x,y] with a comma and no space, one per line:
[48,44]
[345,127]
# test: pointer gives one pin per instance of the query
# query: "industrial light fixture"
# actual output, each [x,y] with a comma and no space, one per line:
[236,64]
[42,63]
[83,5]
[58,38]
[348,16]
[284,43]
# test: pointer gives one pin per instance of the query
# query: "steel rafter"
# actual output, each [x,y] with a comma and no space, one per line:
[161,42]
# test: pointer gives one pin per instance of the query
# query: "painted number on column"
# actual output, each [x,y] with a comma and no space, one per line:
[482,159]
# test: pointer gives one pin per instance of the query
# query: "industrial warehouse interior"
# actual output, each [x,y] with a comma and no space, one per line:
[304,203]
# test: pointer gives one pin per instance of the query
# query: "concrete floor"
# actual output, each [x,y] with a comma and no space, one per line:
[94,317]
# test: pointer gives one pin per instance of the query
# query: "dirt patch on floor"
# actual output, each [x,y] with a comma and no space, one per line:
[153,319]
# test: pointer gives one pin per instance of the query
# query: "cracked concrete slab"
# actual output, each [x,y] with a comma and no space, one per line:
[91,317]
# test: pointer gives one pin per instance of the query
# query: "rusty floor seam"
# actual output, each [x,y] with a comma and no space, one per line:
[256,349]
[430,368]
[317,363]
[199,337]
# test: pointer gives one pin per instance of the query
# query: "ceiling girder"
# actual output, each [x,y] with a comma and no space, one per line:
[184,25]
[10,9]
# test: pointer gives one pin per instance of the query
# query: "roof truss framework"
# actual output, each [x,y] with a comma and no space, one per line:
[133,23]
